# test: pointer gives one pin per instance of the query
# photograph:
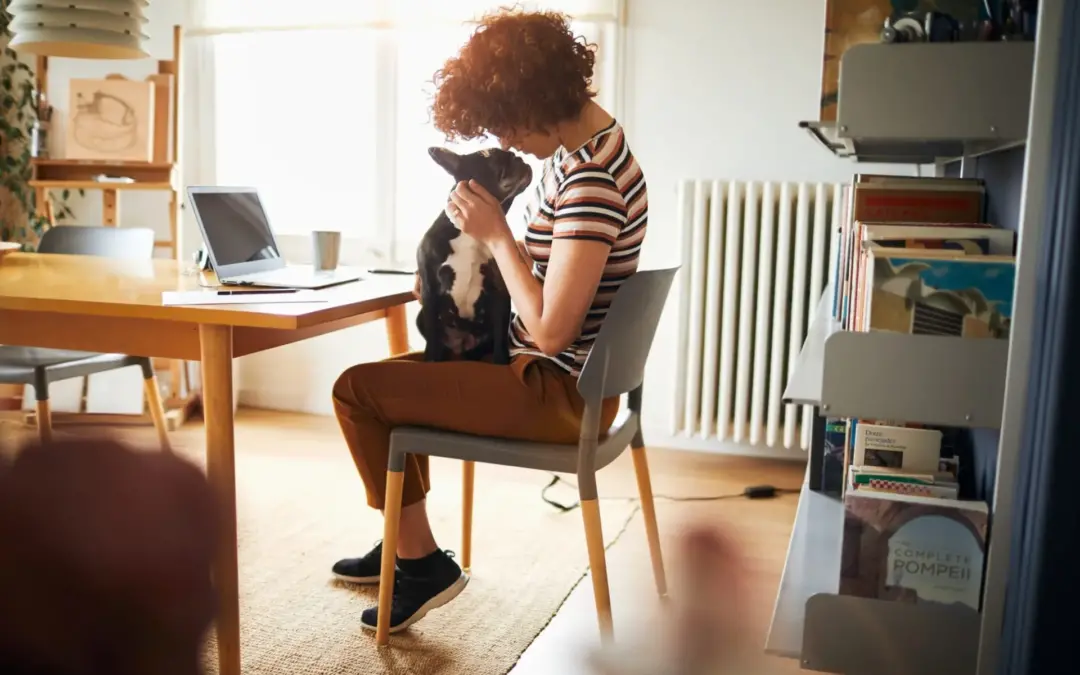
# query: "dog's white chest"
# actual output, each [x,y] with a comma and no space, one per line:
[467,254]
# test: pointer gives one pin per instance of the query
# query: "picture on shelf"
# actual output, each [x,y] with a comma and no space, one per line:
[111,119]
[913,292]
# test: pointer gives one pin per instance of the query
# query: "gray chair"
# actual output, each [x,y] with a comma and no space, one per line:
[40,367]
[615,366]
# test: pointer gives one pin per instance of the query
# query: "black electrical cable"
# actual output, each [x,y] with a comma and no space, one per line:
[750,492]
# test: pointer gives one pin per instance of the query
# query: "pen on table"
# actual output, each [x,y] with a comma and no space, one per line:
[274,291]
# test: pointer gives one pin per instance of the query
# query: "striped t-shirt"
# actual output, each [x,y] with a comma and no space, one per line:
[597,193]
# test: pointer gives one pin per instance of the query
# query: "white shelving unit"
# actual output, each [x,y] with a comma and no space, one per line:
[960,382]
[920,103]
[924,104]
[813,567]
[843,634]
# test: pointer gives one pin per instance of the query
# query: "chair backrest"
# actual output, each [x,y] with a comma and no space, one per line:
[616,362]
[108,242]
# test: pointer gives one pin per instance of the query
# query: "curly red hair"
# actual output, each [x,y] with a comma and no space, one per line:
[519,72]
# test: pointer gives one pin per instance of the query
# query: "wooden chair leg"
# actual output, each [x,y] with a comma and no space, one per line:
[157,411]
[594,539]
[648,512]
[468,474]
[391,519]
[44,420]
[397,330]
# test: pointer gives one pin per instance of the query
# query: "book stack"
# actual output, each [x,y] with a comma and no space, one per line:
[901,459]
[915,256]
[896,457]
[908,536]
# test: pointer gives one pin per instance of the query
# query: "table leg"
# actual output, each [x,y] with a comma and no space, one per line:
[217,393]
[110,208]
[397,330]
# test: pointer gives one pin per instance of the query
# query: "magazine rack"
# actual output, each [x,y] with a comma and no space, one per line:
[973,110]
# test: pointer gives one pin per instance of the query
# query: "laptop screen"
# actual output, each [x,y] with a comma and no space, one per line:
[235,226]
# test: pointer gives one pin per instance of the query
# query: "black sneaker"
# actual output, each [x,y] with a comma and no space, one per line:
[419,587]
[361,570]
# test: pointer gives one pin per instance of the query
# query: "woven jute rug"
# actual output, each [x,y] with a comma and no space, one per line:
[301,507]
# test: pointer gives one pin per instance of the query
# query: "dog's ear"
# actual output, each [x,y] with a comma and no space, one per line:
[447,159]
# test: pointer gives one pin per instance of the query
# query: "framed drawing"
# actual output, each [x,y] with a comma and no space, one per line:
[111,120]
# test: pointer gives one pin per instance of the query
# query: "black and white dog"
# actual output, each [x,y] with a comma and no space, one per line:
[465,307]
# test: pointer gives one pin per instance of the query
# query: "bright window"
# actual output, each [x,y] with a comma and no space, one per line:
[302,132]
[332,124]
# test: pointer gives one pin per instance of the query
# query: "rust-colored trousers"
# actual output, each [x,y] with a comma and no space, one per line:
[530,399]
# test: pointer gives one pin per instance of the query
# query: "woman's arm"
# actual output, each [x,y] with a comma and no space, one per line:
[525,253]
[553,311]
[589,214]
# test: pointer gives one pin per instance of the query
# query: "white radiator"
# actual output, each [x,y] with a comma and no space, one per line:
[755,261]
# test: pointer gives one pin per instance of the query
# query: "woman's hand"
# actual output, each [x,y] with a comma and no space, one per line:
[476,213]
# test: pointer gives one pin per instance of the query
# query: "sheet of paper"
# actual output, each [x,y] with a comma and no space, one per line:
[188,298]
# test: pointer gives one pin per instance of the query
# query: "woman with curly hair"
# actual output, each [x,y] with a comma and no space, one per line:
[525,79]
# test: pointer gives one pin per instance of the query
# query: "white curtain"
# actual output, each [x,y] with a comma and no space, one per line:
[198,113]
[323,105]
[222,16]
[199,159]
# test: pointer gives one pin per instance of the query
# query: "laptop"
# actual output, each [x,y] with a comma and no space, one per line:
[242,246]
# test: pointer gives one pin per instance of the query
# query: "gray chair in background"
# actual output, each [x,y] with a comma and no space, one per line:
[40,367]
[615,366]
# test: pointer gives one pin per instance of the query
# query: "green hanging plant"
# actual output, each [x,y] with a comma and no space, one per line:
[19,220]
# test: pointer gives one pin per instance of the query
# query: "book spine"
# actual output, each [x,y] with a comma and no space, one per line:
[902,488]
[874,203]
[832,469]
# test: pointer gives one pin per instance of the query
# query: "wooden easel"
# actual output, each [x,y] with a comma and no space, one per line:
[162,173]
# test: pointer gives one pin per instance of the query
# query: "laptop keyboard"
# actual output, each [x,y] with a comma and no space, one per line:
[298,275]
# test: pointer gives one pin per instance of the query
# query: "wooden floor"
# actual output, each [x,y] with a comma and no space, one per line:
[762,527]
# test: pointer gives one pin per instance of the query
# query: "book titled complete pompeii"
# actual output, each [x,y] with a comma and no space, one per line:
[913,549]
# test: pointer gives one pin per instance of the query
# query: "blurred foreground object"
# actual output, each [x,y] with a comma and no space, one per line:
[105,557]
[703,630]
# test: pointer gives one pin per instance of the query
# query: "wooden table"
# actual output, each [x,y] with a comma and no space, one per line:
[107,305]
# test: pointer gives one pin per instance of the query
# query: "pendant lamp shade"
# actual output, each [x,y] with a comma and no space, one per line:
[79,29]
